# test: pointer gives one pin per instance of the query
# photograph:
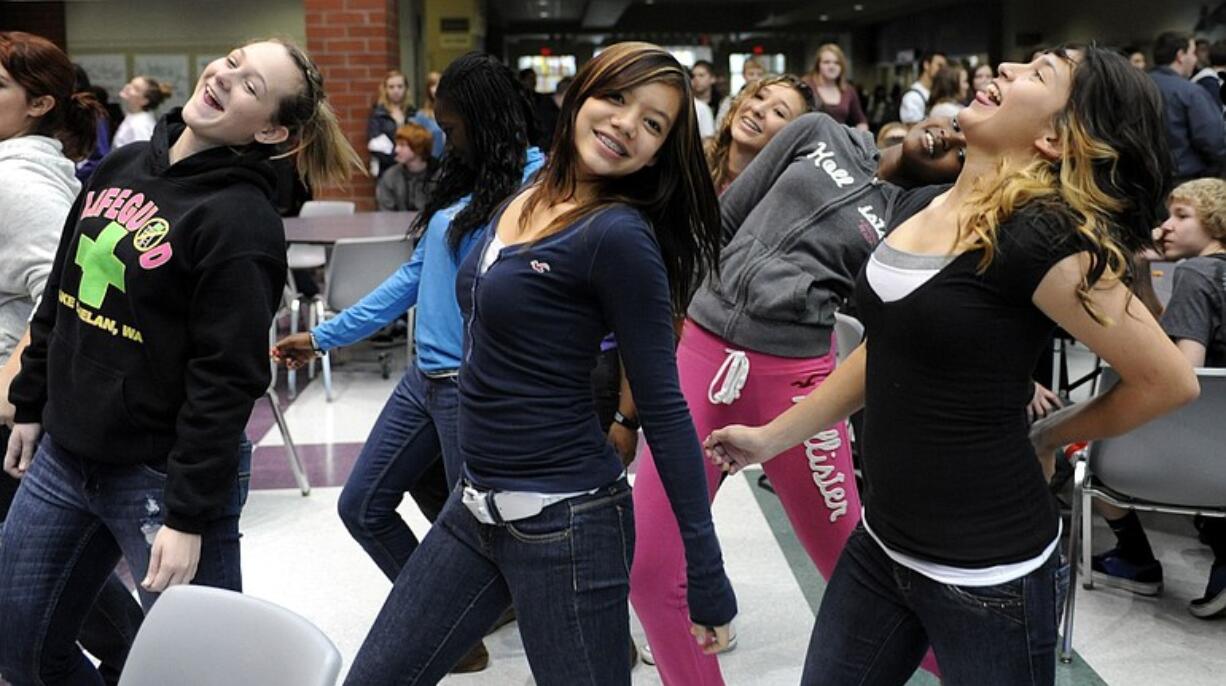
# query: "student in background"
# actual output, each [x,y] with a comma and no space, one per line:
[140,97]
[1195,318]
[836,97]
[408,185]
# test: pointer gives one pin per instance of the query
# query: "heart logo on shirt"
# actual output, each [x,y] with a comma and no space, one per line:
[539,267]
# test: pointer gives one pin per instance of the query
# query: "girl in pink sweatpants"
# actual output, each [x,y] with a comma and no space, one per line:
[815,484]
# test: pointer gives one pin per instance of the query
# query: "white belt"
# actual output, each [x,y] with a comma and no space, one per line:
[497,507]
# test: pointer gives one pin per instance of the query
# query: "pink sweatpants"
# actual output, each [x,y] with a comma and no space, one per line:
[814,481]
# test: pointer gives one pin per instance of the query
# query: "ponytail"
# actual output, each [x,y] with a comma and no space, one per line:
[321,153]
[156,93]
[79,132]
[42,69]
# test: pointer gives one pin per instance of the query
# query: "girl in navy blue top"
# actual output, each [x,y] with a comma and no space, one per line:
[619,226]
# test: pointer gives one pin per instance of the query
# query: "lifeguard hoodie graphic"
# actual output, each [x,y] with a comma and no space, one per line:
[150,344]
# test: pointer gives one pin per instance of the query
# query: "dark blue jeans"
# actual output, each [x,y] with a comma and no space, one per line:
[416,426]
[566,570]
[70,523]
[877,619]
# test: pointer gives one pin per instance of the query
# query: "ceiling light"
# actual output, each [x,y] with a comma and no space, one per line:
[544,14]
[858,8]
[823,17]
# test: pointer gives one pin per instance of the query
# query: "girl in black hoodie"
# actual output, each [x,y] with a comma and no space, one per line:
[147,353]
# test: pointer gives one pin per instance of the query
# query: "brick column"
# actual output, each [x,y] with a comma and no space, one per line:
[354,42]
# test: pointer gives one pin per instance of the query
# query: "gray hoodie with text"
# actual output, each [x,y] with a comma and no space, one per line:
[798,224]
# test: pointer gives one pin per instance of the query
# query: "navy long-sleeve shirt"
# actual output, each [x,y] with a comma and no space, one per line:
[1194,127]
[527,421]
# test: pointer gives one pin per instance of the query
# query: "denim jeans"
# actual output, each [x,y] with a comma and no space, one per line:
[566,570]
[70,523]
[877,619]
[401,455]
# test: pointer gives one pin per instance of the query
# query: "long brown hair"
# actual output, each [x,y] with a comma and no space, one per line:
[674,194]
[42,69]
[1111,178]
[718,147]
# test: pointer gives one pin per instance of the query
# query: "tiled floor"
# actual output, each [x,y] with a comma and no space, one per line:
[297,553]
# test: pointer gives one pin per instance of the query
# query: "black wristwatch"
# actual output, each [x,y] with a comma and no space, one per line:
[625,421]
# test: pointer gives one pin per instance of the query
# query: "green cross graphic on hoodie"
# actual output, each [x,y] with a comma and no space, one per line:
[100,268]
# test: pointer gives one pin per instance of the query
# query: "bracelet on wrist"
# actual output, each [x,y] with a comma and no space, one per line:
[625,421]
[315,345]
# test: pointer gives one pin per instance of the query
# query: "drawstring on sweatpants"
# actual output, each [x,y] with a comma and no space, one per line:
[734,372]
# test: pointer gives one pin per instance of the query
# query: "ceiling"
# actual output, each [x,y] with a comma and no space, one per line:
[733,16]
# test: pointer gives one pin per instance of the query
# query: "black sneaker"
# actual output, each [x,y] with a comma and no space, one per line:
[1110,569]
[1213,604]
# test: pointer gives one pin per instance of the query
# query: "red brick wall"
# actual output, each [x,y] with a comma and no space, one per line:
[354,43]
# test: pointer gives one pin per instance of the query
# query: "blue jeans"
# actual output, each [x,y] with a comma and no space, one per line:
[400,456]
[70,523]
[566,570]
[877,619]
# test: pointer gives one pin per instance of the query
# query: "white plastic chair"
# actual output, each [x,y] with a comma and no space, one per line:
[199,636]
[1175,464]
[303,256]
[357,267]
[848,332]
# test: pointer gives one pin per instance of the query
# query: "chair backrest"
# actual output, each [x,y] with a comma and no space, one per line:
[1178,459]
[848,332]
[326,208]
[198,636]
[358,265]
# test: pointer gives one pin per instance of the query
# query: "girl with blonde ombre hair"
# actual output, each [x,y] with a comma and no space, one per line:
[1066,168]
[757,113]
[148,353]
[834,95]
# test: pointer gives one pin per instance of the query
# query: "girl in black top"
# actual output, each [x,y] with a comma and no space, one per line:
[1065,169]
[620,224]
[147,353]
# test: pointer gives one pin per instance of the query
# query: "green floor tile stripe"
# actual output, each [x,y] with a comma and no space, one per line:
[812,585]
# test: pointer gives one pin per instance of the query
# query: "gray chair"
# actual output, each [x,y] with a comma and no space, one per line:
[357,267]
[198,636]
[1174,464]
[848,333]
[303,256]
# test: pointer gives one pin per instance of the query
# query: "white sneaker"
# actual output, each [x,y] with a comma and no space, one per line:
[647,657]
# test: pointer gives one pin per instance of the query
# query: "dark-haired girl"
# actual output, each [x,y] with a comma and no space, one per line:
[1065,170]
[620,223]
[147,353]
[488,159]
[140,97]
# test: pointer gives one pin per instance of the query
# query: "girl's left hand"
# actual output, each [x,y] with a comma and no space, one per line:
[712,639]
[172,561]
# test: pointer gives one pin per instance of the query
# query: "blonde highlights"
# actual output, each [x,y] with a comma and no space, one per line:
[1072,186]
[322,155]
